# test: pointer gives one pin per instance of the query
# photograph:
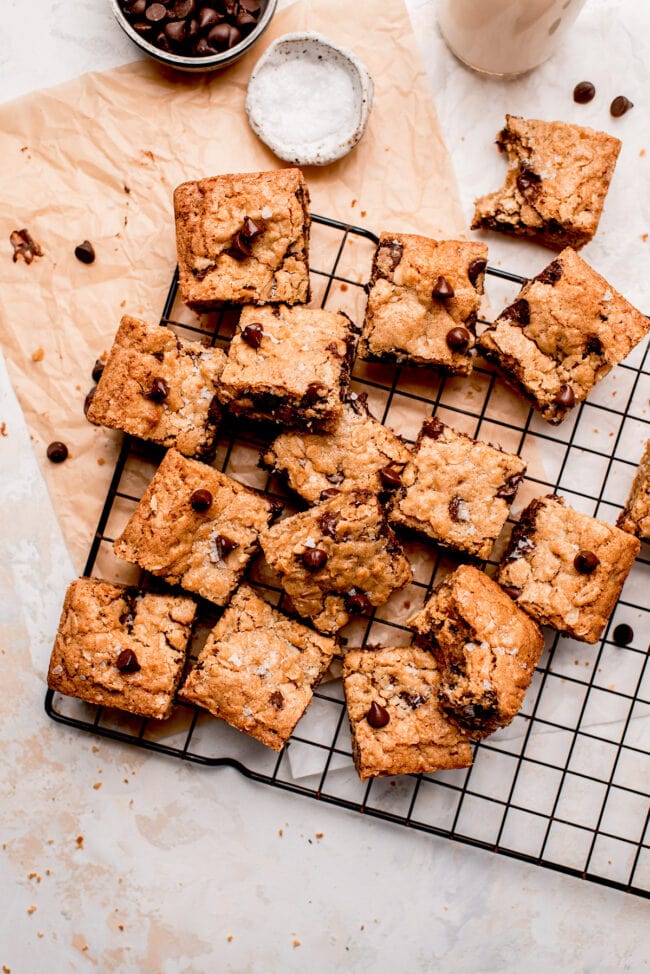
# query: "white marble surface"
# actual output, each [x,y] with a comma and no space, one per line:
[176,860]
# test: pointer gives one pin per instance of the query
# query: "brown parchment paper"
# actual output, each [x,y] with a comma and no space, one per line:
[98,158]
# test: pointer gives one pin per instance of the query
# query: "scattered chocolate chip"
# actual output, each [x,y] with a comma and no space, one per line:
[253,334]
[565,396]
[620,106]
[24,246]
[314,559]
[158,391]
[98,369]
[509,489]
[390,478]
[276,700]
[358,602]
[328,492]
[201,500]
[512,591]
[442,289]
[57,452]
[85,252]
[377,716]
[551,274]
[623,634]
[127,662]
[328,523]
[224,546]
[583,92]
[519,311]
[88,400]
[433,428]
[475,269]
[528,180]
[458,339]
[412,700]
[586,562]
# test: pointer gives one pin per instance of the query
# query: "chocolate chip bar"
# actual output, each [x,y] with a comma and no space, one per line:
[258,669]
[456,490]
[196,527]
[119,647]
[558,177]
[396,722]
[566,569]
[289,365]
[635,516]
[423,301]
[160,388]
[358,453]
[566,330]
[486,647]
[337,558]
[243,239]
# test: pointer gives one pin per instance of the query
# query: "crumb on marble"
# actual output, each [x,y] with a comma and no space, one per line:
[644,237]
[230,938]
[319,835]
[296,943]
[80,841]
[3,429]
[97,785]
[280,832]
[31,909]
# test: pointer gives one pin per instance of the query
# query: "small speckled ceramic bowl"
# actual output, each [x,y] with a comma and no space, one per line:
[211,62]
[309,99]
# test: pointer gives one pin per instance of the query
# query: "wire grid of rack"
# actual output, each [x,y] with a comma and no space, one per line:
[565,786]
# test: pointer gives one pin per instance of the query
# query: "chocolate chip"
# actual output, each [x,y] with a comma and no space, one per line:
[155,12]
[442,289]
[328,492]
[214,410]
[57,452]
[208,17]
[433,428]
[455,506]
[623,634]
[620,106]
[358,602]
[314,559]
[203,48]
[276,700]
[224,546]
[586,562]
[175,31]
[98,369]
[127,662]
[377,716]
[551,274]
[336,478]
[85,252]
[593,345]
[253,229]
[328,523]
[201,500]
[512,591]
[565,396]
[253,334]
[245,21]
[390,478]
[393,250]
[412,700]
[518,311]
[137,8]
[509,489]
[583,92]
[158,391]
[24,246]
[88,400]
[527,180]
[182,9]
[240,248]
[475,269]
[251,6]
[223,37]
[313,393]
[458,339]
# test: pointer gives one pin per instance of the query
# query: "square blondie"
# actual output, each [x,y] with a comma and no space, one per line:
[160,388]
[337,558]
[258,669]
[423,301]
[635,516]
[358,453]
[196,527]
[120,647]
[566,569]
[289,365]
[396,722]
[243,238]
[487,649]
[565,331]
[556,184]
[456,490]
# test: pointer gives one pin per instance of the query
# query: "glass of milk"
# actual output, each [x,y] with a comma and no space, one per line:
[505,37]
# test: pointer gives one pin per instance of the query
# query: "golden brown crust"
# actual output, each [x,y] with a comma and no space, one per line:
[635,517]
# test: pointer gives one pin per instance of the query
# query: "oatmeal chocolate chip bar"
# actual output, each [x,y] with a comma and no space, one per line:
[160,388]
[456,490]
[556,183]
[566,569]
[423,301]
[635,516]
[196,527]
[119,647]
[566,330]
[289,365]
[396,722]
[258,669]
[243,239]
[337,558]
[486,647]
[358,453]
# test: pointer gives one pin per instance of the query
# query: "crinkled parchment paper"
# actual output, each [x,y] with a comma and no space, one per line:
[98,159]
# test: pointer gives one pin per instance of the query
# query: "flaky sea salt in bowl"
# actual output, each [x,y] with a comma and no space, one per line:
[309,99]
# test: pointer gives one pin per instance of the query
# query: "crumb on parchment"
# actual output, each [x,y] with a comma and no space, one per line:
[38,354]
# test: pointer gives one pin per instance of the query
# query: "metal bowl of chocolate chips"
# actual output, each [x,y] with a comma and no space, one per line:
[194,35]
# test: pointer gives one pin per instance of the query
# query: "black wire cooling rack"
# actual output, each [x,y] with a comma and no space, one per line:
[566,784]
